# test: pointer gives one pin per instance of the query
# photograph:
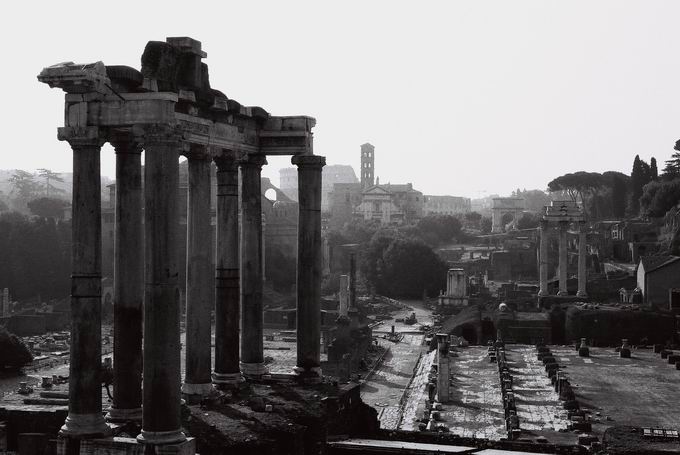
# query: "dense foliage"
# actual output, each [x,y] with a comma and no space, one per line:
[13,352]
[36,255]
[399,261]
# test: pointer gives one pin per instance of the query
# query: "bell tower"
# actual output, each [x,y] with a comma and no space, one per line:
[367,165]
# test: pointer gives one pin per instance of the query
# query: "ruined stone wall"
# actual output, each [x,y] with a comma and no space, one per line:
[609,327]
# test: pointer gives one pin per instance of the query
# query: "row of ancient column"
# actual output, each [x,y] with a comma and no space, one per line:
[563,259]
[146,271]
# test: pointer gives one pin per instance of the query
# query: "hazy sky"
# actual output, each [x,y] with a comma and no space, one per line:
[463,98]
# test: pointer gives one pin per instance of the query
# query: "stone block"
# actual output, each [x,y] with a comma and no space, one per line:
[673,359]
[584,352]
[665,353]
[624,353]
[658,348]
[32,443]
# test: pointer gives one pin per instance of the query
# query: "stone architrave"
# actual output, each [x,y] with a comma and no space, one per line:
[85,417]
[199,293]
[563,263]
[309,263]
[161,422]
[252,318]
[128,281]
[543,259]
[227,305]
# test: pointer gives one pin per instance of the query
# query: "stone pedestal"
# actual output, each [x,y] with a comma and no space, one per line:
[582,272]
[162,381]
[252,346]
[128,283]
[543,259]
[563,262]
[227,304]
[309,262]
[85,397]
[198,380]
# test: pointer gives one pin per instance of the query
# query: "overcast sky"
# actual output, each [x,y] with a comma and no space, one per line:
[462,98]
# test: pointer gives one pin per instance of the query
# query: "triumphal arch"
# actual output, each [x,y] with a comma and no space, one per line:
[501,206]
[169,109]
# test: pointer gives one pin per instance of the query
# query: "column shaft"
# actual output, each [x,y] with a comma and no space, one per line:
[582,272]
[309,262]
[227,304]
[543,259]
[85,399]
[162,377]
[252,348]
[128,285]
[563,258]
[199,283]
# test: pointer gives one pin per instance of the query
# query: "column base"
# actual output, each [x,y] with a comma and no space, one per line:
[203,390]
[582,294]
[308,375]
[253,370]
[161,437]
[563,293]
[84,425]
[228,380]
[118,415]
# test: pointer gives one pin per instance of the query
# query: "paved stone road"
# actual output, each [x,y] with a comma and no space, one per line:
[538,405]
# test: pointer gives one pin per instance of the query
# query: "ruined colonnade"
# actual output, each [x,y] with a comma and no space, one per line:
[167,124]
[562,214]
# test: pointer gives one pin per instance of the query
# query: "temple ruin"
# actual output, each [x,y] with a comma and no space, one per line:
[169,109]
[562,214]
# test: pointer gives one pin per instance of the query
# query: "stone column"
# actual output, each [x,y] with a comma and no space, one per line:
[199,294]
[563,264]
[128,282]
[443,368]
[582,272]
[252,347]
[343,296]
[162,377]
[227,304]
[543,259]
[85,389]
[309,261]
[352,279]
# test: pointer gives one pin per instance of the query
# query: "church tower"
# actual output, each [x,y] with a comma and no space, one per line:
[367,165]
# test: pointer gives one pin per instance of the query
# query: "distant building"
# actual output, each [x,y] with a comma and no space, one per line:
[367,165]
[343,200]
[446,205]
[656,275]
[331,174]
[390,204]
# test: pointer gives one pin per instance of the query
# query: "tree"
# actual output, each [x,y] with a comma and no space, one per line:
[654,171]
[578,185]
[411,267]
[659,197]
[639,177]
[438,229]
[528,221]
[13,351]
[24,187]
[618,184]
[672,169]
[53,176]
[486,225]
[47,207]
